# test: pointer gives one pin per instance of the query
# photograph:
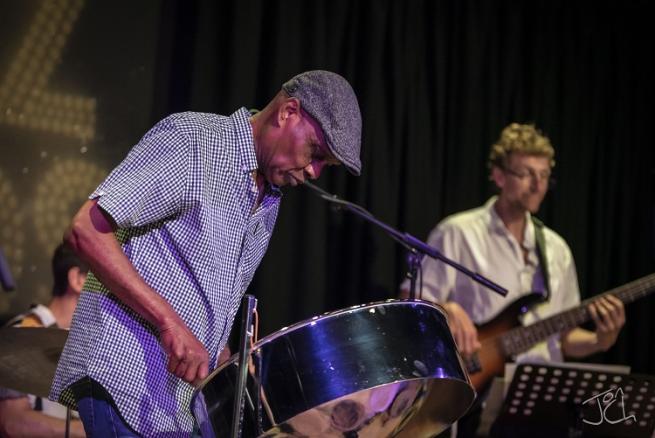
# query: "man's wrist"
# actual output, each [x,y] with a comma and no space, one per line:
[603,344]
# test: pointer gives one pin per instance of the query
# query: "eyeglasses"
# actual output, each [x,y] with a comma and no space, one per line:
[543,176]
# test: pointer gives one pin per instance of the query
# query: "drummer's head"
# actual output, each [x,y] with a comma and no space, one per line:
[68,270]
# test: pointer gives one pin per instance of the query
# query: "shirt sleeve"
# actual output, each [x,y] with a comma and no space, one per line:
[571,296]
[148,185]
[563,274]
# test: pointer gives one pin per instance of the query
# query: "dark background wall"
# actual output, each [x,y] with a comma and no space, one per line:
[81,81]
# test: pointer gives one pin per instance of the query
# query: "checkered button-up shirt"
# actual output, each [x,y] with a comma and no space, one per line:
[185,202]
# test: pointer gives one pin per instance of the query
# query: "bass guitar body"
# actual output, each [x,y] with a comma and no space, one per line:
[490,360]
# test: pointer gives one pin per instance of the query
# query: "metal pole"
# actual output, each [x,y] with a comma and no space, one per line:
[248,308]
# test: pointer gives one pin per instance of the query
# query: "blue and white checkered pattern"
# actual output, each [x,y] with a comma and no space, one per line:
[185,201]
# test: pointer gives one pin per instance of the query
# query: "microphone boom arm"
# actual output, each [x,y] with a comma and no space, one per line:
[407,240]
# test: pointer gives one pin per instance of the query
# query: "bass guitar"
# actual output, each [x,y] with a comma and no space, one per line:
[503,337]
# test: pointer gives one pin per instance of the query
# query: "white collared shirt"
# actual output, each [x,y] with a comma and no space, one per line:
[479,240]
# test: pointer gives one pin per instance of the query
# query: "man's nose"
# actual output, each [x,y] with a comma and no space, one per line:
[538,183]
[313,170]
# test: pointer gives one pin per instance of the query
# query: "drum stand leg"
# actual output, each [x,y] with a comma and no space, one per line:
[68,422]
[249,305]
[413,270]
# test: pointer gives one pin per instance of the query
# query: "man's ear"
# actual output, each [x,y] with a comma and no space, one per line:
[76,279]
[498,176]
[288,110]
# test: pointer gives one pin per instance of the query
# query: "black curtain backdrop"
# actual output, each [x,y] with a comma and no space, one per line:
[437,81]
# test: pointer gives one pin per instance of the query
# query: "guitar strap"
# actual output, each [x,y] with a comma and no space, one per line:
[541,253]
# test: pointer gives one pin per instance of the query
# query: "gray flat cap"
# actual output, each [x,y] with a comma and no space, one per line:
[331,101]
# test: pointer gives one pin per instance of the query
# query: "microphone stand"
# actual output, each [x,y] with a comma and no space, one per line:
[413,270]
[414,245]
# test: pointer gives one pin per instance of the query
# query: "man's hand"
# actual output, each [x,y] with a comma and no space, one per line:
[463,329]
[187,357]
[608,314]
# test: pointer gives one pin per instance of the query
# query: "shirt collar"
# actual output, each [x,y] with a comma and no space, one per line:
[495,223]
[246,141]
[243,129]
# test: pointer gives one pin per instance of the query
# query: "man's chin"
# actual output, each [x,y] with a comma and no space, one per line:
[276,178]
[291,180]
[533,207]
[282,181]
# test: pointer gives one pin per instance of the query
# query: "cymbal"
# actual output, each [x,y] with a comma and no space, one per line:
[28,358]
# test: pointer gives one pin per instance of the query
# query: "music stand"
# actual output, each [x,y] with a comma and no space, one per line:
[548,401]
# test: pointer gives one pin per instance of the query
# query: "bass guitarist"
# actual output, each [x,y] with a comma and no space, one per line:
[502,241]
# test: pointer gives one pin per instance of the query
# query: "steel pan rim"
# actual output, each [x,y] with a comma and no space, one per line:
[325,316]
[335,313]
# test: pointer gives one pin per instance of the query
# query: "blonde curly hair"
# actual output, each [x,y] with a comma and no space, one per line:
[523,139]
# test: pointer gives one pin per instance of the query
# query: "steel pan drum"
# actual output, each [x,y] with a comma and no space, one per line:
[363,371]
